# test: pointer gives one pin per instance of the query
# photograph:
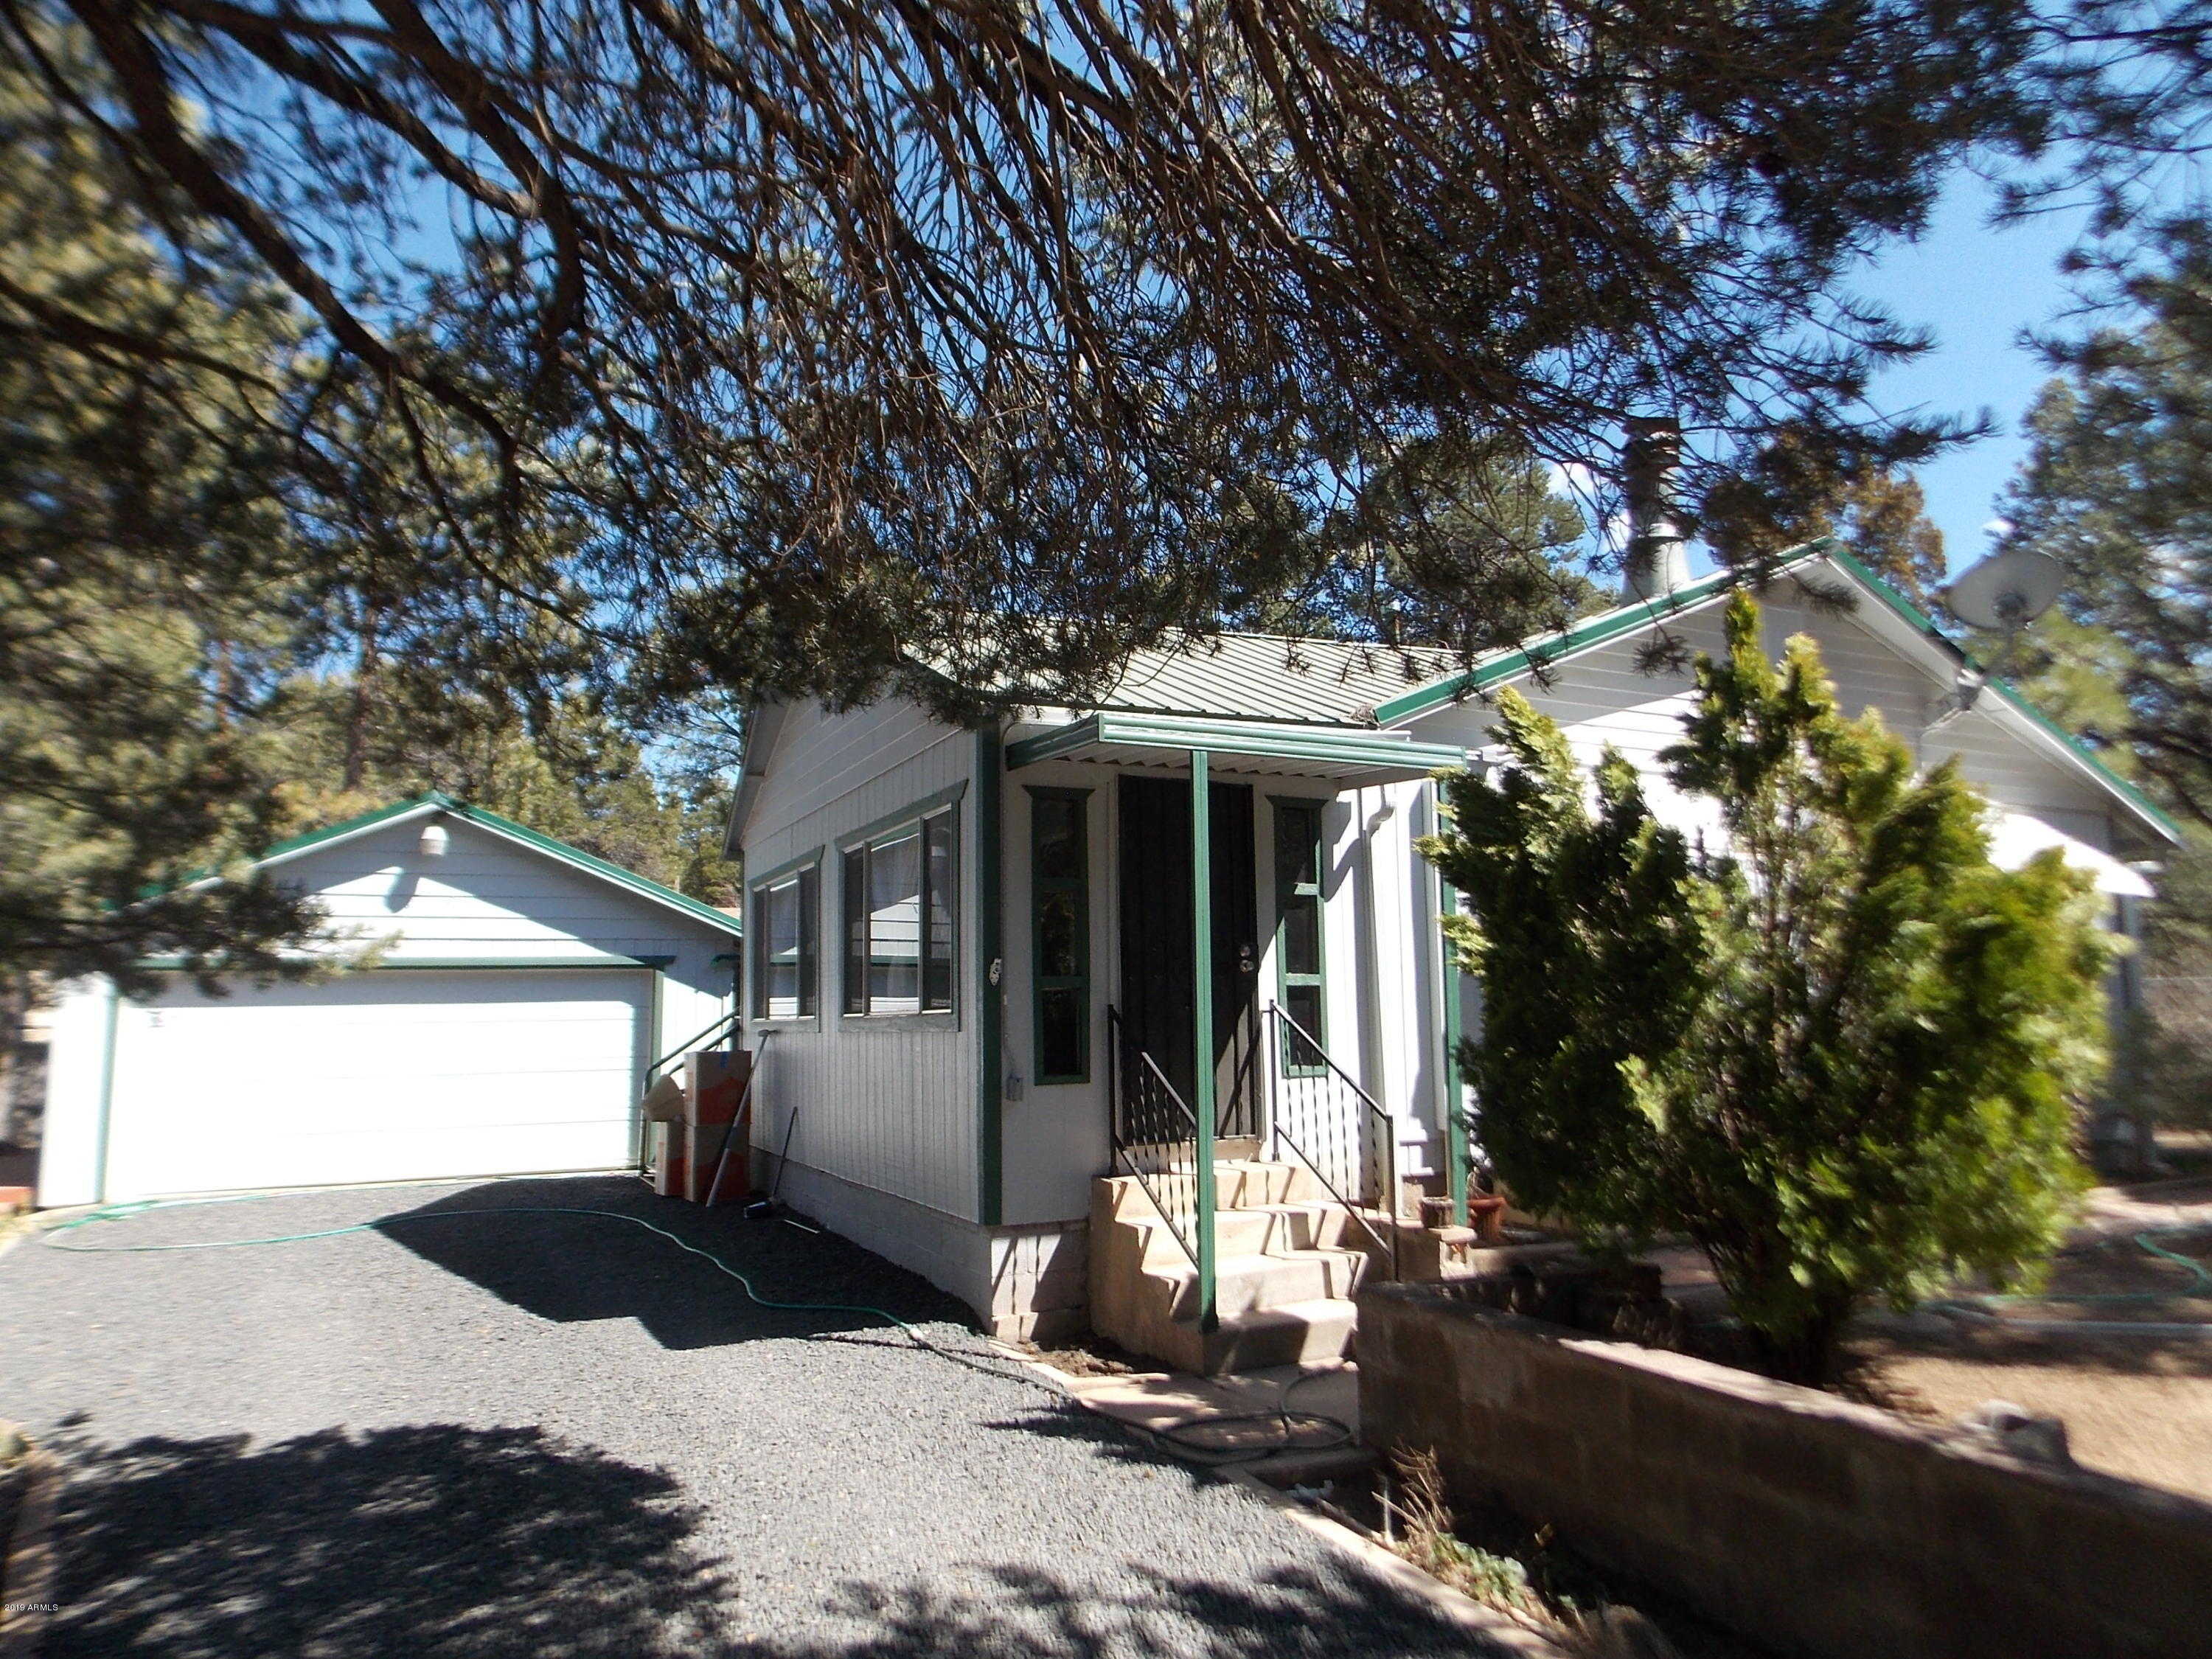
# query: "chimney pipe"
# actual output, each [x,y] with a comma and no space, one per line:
[1651,459]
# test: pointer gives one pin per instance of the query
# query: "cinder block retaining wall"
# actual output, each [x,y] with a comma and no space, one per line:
[1816,1525]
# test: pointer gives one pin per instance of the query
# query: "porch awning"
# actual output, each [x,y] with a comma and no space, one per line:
[1347,755]
[2015,837]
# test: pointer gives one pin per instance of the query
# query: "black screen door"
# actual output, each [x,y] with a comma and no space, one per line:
[1157,992]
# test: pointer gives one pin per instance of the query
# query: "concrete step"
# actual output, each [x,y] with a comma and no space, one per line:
[1254,1183]
[1244,1282]
[1238,1184]
[1297,1333]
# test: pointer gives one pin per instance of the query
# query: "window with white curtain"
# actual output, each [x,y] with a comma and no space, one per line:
[901,917]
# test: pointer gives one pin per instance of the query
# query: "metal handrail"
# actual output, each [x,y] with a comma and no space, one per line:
[688,1043]
[724,1023]
[1350,1083]
[1116,1040]
[1389,1137]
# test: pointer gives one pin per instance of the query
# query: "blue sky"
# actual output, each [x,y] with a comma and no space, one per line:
[1980,289]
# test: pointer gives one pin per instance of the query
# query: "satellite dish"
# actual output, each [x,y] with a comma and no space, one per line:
[2006,590]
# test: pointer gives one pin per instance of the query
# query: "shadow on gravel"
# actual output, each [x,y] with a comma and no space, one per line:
[570,1267]
[1029,1614]
[435,1540]
[438,1543]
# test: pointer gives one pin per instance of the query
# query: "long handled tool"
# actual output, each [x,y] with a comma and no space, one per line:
[744,1115]
[766,1207]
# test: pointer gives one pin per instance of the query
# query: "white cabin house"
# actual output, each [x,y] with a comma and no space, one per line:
[523,993]
[975,955]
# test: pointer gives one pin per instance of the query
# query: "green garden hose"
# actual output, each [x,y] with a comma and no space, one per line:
[1334,1431]
[2199,1288]
[111,1212]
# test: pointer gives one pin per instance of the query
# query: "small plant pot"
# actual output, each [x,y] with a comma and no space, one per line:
[1486,1215]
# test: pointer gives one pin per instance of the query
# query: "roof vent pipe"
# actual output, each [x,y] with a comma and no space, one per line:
[1651,459]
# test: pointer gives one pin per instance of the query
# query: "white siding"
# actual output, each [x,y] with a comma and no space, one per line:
[886,1104]
[70,1150]
[1603,698]
[822,759]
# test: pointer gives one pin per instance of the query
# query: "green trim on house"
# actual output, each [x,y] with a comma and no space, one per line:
[1336,745]
[354,826]
[1286,894]
[179,964]
[110,1020]
[640,1073]
[990,961]
[1078,886]
[773,878]
[591,863]
[852,985]
[2074,746]
[1597,630]
[435,801]
[810,862]
[913,812]
[1627,619]
[1201,1030]
[1457,1159]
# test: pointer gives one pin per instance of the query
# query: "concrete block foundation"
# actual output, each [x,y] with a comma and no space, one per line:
[1800,1519]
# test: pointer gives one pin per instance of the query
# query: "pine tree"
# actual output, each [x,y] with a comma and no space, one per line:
[1467,546]
[1000,338]
[138,559]
[1837,1048]
[359,741]
[1792,494]
[2116,488]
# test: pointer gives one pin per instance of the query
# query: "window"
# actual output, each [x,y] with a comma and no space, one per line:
[899,891]
[784,917]
[1060,933]
[1298,953]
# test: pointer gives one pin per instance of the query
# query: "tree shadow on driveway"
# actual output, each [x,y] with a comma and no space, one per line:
[443,1542]
[436,1541]
[566,1267]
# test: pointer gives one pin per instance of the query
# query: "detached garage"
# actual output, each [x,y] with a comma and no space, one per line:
[522,991]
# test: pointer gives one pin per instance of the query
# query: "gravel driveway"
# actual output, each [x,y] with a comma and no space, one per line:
[557,1436]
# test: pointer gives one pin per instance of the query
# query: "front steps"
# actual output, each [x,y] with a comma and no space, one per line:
[1288,1260]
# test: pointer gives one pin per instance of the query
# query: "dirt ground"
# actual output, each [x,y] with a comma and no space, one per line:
[2132,1406]
[2136,1405]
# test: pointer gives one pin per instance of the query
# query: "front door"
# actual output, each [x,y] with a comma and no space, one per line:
[1157,1000]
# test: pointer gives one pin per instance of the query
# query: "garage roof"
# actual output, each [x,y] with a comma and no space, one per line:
[436,805]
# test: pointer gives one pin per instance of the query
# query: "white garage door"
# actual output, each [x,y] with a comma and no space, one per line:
[389,1075]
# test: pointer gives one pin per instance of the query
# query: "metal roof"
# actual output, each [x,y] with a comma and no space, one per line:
[1273,677]
[1343,754]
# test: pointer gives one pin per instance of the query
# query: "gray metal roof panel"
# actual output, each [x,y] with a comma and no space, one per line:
[1273,677]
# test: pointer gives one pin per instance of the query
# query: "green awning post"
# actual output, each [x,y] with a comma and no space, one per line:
[1201,931]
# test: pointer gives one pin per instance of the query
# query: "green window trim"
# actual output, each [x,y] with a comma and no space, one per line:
[1298,823]
[1046,1068]
[933,823]
[804,873]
